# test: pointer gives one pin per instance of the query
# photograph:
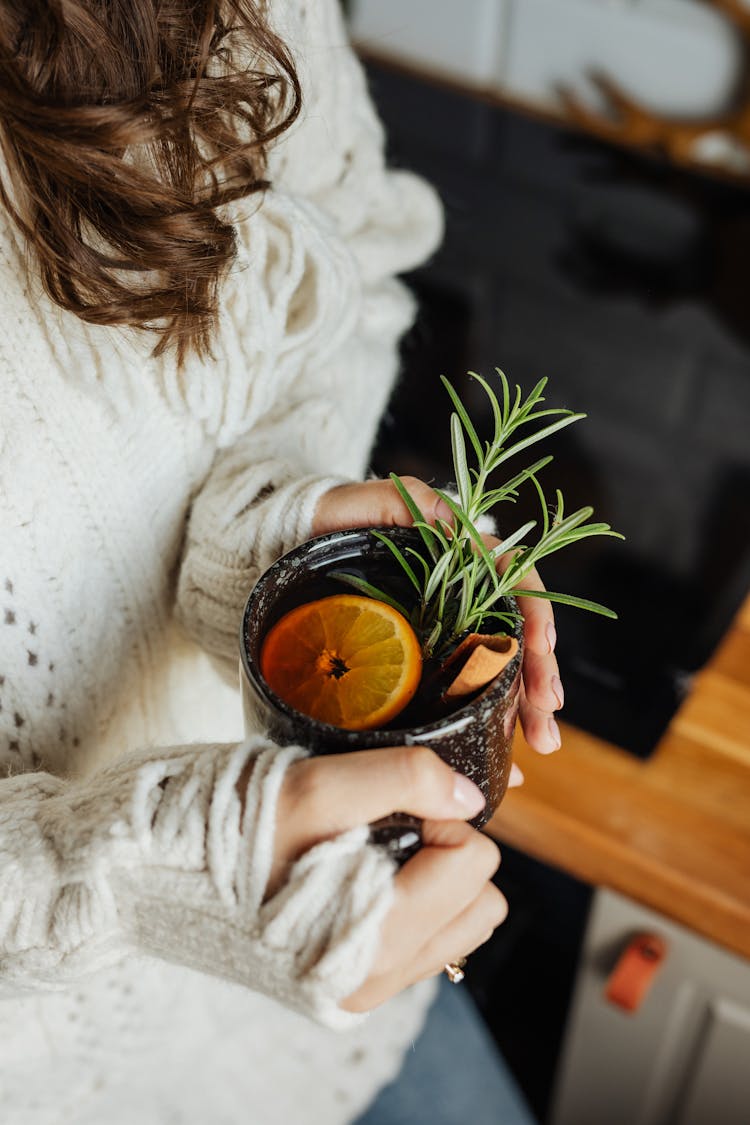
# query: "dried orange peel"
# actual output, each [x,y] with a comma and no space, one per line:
[345,660]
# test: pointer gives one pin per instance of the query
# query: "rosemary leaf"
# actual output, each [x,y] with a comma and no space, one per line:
[567,599]
[433,639]
[512,540]
[401,560]
[509,619]
[468,425]
[439,572]
[416,555]
[458,446]
[464,521]
[542,504]
[540,435]
[416,514]
[506,392]
[369,590]
[435,531]
[494,404]
[534,397]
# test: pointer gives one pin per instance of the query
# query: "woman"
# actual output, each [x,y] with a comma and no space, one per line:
[193,367]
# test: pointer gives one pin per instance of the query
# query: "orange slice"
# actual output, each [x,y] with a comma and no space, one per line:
[345,660]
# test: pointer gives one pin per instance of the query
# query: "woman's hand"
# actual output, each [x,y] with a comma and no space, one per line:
[377,503]
[541,688]
[445,902]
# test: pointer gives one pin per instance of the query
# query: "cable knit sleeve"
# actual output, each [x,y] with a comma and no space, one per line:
[151,855]
[316,285]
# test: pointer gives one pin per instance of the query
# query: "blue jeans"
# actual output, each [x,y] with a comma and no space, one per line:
[454,1075]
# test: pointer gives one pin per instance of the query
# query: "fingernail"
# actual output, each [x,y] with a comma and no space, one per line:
[467,794]
[551,634]
[554,733]
[516,777]
[558,691]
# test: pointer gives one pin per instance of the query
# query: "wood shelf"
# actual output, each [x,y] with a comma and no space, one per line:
[549,114]
[673,832]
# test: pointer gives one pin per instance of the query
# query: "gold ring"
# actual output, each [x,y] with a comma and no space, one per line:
[455,970]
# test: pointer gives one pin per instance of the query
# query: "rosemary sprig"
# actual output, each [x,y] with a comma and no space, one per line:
[455,577]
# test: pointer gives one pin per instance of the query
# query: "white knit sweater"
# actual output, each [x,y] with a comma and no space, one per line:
[135,949]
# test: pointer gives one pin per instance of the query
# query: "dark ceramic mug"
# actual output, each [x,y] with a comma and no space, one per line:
[475,739]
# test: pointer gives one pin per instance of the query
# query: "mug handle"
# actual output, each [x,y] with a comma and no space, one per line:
[400,834]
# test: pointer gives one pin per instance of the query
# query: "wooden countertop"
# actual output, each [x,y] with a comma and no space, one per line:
[672,832]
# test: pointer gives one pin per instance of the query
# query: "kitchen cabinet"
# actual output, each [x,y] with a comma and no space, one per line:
[682,1057]
[667,843]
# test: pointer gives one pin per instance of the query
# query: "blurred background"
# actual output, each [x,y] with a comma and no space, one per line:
[593,157]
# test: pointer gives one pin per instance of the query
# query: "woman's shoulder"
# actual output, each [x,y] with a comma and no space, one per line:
[336,113]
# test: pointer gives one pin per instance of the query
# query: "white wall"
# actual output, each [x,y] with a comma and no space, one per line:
[462,39]
[678,56]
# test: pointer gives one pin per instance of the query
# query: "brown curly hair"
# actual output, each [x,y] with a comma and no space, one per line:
[124,125]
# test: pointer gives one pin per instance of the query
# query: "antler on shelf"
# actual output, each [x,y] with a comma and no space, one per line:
[628,122]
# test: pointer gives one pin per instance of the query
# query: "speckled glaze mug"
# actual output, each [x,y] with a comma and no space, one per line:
[475,738]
